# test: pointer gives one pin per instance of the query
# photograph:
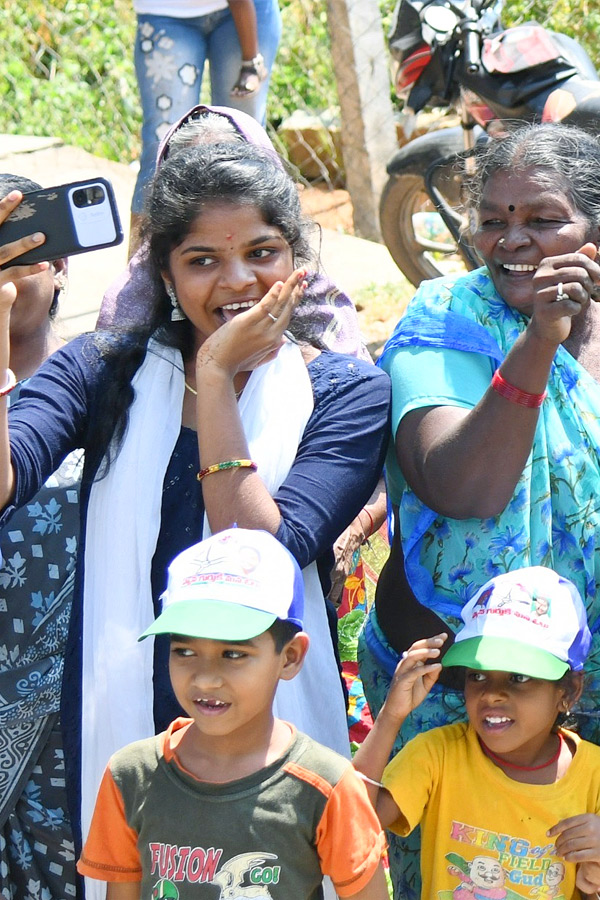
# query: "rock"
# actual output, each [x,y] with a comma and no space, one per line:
[313,145]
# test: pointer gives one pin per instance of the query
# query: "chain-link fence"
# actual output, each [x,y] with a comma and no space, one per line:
[67,71]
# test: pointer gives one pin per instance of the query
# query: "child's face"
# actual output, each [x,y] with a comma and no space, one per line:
[228,687]
[513,714]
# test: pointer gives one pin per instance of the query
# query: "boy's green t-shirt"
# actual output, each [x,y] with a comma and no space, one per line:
[273,834]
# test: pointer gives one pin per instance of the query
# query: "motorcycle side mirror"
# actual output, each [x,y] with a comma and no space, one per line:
[440,19]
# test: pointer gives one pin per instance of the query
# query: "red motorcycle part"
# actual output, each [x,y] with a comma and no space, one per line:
[518,49]
[478,109]
[411,68]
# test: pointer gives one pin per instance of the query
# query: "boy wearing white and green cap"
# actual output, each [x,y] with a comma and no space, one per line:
[508,802]
[232,802]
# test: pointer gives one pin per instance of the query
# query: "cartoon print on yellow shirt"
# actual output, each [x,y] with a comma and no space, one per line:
[484,878]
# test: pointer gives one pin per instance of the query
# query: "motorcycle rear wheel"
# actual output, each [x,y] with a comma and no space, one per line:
[404,213]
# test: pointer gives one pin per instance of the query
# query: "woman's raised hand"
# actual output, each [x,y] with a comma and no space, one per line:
[8,252]
[254,337]
[574,277]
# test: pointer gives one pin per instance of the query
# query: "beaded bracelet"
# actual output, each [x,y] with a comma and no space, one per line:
[11,383]
[230,464]
[515,394]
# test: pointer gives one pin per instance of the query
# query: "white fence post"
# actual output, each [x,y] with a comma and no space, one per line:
[360,61]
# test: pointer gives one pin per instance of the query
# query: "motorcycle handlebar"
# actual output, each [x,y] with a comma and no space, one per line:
[472,53]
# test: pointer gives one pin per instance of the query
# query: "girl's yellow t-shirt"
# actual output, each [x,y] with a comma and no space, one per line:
[484,835]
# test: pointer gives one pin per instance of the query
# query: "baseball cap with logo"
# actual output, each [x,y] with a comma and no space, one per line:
[530,621]
[231,587]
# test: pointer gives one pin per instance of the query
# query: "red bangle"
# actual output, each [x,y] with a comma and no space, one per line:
[515,394]
[371,523]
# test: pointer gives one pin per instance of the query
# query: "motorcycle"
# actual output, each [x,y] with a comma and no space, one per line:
[455,54]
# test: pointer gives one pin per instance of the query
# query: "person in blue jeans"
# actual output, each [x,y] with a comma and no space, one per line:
[173,43]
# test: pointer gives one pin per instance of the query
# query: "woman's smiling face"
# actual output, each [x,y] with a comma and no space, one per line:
[524,217]
[227,262]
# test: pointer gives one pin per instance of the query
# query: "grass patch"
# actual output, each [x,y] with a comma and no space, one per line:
[380,306]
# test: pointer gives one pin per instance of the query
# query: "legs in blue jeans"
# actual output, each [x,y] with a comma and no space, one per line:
[225,64]
[170,55]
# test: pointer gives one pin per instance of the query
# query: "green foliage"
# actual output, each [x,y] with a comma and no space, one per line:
[303,75]
[68,72]
[349,627]
[68,65]
[580,19]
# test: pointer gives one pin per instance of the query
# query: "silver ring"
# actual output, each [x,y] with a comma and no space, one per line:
[560,294]
[271,316]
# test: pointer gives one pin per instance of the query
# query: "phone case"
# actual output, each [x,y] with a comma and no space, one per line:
[75,218]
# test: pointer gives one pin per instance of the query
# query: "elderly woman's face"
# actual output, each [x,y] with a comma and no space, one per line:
[522,220]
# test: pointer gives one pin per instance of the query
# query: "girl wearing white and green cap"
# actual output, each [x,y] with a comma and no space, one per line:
[508,801]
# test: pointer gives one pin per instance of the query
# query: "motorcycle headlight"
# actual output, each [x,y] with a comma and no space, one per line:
[438,23]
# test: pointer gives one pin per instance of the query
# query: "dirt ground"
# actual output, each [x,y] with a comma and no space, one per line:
[331,209]
[382,296]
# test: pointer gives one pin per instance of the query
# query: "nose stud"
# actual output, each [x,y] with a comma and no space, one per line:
[501,241]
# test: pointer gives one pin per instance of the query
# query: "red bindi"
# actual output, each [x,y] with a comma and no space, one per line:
[228,236]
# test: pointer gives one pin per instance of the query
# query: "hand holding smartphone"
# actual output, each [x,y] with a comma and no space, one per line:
[75,218]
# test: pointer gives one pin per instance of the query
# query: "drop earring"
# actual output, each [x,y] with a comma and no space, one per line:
[177,314]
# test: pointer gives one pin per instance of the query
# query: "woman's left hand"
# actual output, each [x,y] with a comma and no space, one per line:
[369,520]
[578,277]
[254,337]
[344,549]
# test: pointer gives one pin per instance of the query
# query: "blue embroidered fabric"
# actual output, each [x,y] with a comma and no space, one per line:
[37,575]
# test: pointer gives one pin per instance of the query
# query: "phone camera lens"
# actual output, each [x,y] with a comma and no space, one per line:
[89,196]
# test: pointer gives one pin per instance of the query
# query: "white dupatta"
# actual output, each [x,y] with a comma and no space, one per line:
[123,522]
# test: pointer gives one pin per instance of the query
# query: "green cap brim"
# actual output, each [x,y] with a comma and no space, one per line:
[489,654]
[211,619]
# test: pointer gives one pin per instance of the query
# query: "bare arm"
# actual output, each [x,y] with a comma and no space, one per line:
[466,463]
[8,294]
[370,518]
[376,889]
[414,677]
[243,14]
[123,890]
[238,496]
